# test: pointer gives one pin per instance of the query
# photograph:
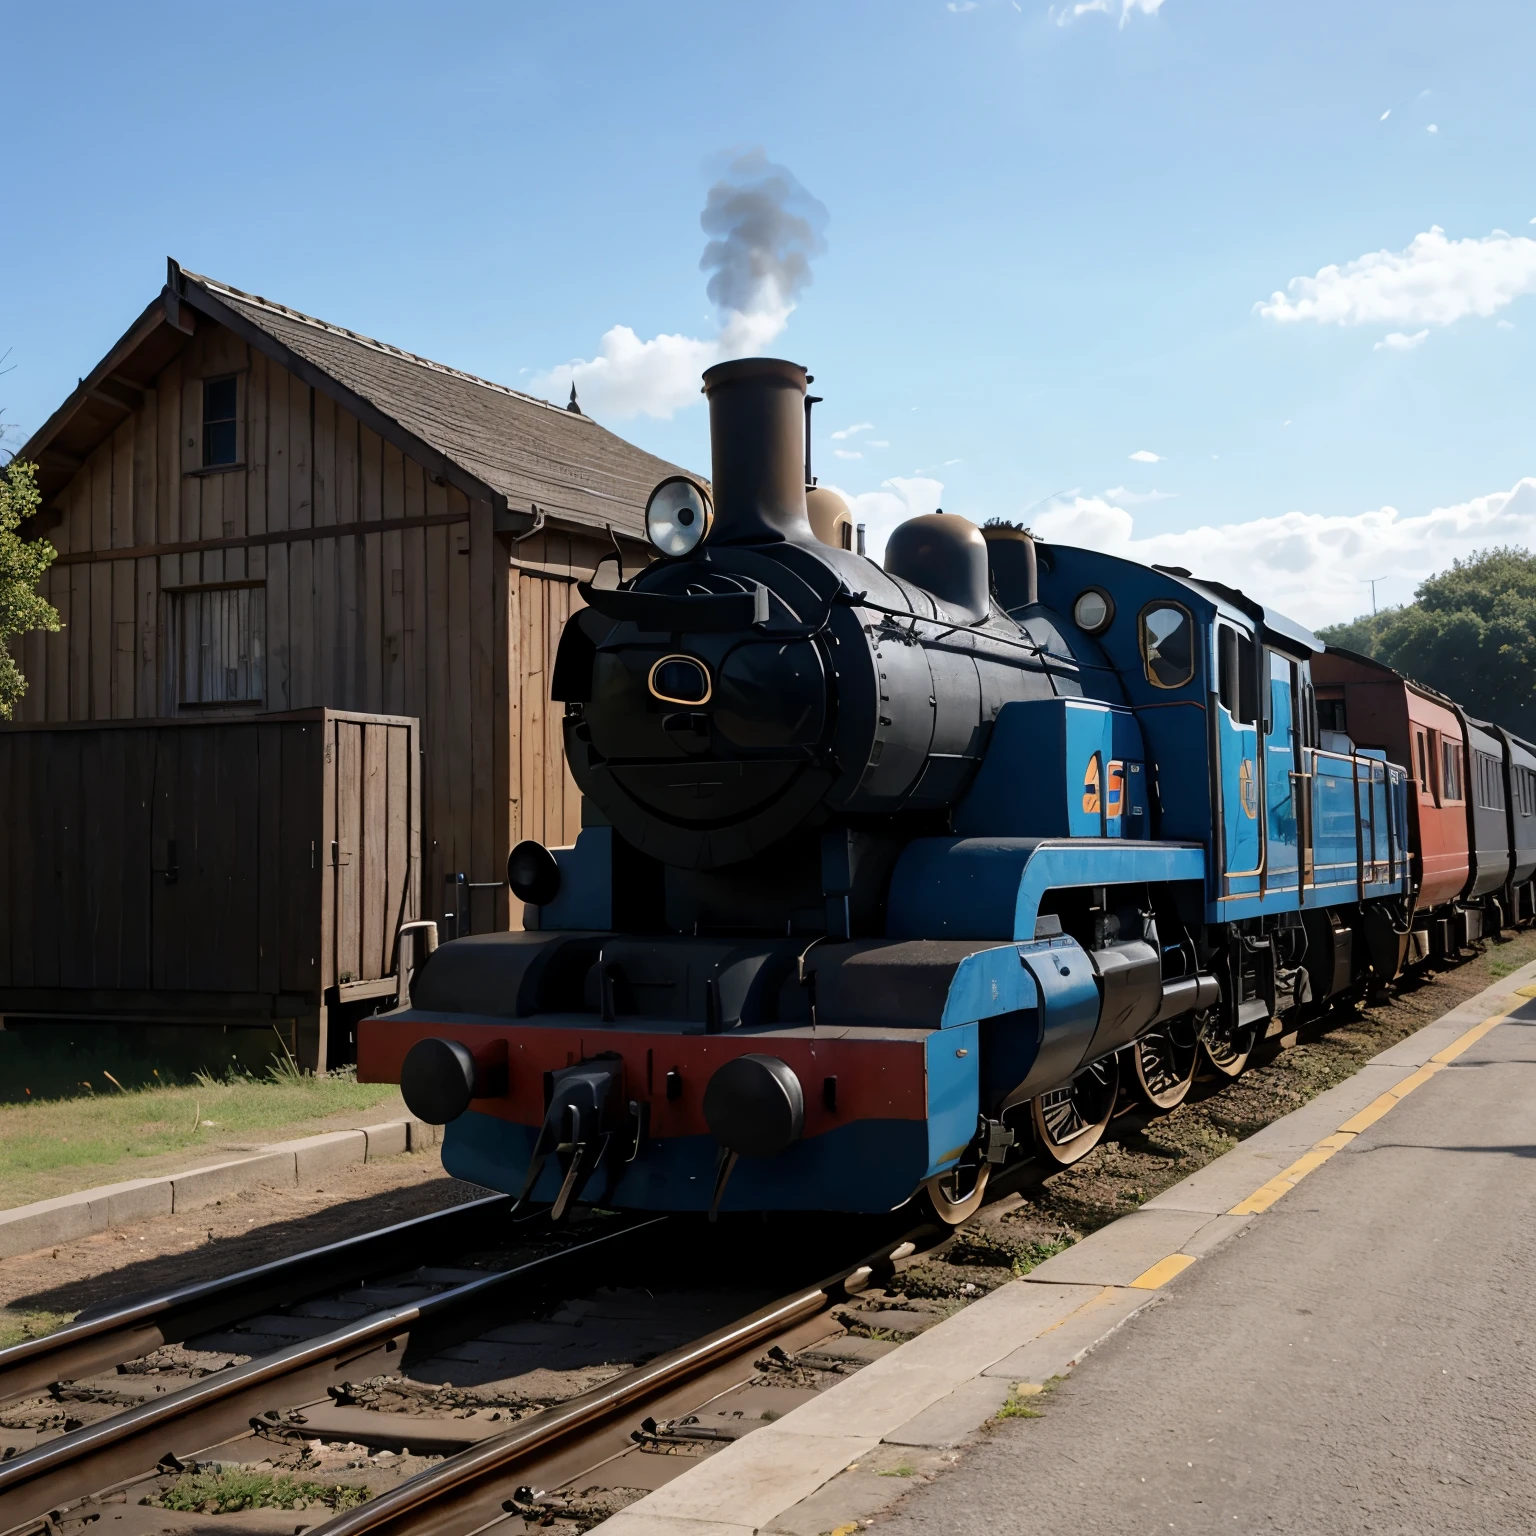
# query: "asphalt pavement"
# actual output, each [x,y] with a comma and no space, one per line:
[1362,1359]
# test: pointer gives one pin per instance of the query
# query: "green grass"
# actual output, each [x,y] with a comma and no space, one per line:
[232,1489]
[48,1145]
[18,1327]
[1508,955]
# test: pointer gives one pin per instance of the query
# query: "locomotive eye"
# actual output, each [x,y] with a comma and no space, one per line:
[680,680]
[677,516]
[1092,611]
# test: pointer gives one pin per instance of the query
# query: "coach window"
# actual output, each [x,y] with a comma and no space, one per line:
[1167,645]
[1450,769]
[1425,787]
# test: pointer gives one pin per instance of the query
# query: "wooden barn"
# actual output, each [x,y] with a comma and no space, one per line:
[259,513]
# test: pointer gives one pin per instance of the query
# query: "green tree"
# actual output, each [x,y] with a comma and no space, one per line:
[1470,632]
[22,563]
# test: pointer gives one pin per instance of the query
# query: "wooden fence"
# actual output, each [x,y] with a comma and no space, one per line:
[220,871]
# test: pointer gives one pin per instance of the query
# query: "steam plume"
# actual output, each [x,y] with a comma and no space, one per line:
[764,230]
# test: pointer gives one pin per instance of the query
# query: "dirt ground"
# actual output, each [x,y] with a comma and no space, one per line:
[40,1291]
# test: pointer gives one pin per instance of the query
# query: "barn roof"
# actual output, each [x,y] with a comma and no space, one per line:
[521,453]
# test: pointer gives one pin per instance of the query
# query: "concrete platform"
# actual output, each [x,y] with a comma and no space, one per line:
[809,1472]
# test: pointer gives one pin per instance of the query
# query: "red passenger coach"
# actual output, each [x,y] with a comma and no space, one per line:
[1379,710]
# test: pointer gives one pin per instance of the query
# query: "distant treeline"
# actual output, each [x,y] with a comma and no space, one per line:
[1470,632]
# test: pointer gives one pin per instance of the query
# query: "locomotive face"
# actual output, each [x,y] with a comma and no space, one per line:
[707,741]
[706,727]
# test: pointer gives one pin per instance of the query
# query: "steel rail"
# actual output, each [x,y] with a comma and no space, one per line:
[465,1491]
[115,1450]
[123,1333]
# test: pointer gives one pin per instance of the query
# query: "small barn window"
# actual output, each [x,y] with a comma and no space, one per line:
[221,400]
[1167,645]
[221,644]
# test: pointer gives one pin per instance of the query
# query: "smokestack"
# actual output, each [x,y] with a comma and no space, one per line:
[757,443]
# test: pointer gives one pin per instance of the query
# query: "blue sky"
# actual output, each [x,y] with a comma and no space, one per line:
[1051,239]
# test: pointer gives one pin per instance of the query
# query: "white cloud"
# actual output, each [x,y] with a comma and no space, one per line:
[847,453]
[1385,115]
[1506,325]
[1106,7]
[853,431]
[1146,456]
[1398,341]
[1124,498]
[1308,565]
[1433,128]
[897,499]
[960,7]
[1434,281]
[764,229]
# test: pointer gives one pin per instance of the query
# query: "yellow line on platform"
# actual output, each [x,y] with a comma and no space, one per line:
[1288,1178]
[1162,1272]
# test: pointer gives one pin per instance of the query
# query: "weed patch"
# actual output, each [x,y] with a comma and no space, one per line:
[232,1489]
[18,1327]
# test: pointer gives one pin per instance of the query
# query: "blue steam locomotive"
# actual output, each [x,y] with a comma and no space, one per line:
[890,875]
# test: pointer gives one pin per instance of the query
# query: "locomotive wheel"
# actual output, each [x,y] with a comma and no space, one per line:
[1227,1048]
[1069,1121]
[956,1195]
[1165,1062]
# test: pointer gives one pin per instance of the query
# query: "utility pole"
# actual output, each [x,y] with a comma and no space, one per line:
[1373,580]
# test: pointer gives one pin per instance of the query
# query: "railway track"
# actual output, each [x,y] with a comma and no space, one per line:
[111,1337]
[347,1385]
[116,1450]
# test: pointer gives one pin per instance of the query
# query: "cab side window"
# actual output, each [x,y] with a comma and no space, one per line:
[1226,667]
[1167,645]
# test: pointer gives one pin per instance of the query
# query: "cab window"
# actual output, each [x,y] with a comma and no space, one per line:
[1226,667]
[1167,645]
[1234,674]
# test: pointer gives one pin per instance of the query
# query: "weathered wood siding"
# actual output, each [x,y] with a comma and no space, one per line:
[384,593]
